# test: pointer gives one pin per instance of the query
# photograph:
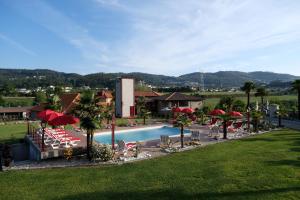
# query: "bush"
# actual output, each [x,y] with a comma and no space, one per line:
[102,152]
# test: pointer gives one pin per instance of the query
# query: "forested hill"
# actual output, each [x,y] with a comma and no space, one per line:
[24,78]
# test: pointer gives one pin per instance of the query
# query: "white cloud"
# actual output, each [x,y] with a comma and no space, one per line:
[181,36]
[17,45]
[177,36]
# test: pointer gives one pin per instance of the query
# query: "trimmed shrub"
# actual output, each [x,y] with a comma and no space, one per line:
[102,152]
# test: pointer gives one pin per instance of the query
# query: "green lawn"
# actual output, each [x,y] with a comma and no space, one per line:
[261,167]
[18,101]
[12,133]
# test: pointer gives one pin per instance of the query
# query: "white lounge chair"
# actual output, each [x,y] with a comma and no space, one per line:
[195,135]
[165,141]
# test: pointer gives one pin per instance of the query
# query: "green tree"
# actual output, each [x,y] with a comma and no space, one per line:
[58,90]
[182,121]
[199,113]
[281,112]
[89,113]
[296,87]
[8,89]
[247,87]
[2,101]
[40,97]
[108,112]
[144,113]
[140,104]
[256,116]
[226,103]
[226,117]
[54,103]
[261,92]
[239,105]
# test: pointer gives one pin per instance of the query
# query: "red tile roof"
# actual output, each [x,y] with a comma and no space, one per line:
[69,101]
[176,96]
[145,94]
[15,109]
[105,94]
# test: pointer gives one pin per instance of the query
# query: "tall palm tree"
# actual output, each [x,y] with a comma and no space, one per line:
[182,121]
[256,116]
[90,115]
[247,87]
[296,87]
[281,112]
[261,92]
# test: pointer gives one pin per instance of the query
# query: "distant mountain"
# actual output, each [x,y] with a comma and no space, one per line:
[42,77]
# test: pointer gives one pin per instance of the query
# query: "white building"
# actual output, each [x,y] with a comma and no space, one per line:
[125,97]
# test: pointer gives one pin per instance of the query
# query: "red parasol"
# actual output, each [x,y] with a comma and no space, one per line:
[63,120]
[187,110]
[177,109]
[43,114]
[217,112]
[235,114]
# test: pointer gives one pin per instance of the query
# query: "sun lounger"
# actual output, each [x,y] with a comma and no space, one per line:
[165,141]
[214,132]
[195,135]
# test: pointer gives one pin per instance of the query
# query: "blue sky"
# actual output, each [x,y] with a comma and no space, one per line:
[169,37]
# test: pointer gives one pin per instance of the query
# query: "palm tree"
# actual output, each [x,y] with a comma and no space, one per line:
[261,92]
[200,114]
[226,103]
[182,120]
[144,113]
[248,86]
[296,87]
[108,112]
[281,112]
[90,114]
[226,117]
[140,104]
[256,116]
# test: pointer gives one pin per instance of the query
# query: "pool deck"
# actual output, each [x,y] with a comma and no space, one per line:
[149,148]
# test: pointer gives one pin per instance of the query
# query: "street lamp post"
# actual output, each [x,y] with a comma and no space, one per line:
[248,119]
[113,123]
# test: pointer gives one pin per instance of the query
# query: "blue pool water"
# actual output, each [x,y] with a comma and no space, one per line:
[139,135]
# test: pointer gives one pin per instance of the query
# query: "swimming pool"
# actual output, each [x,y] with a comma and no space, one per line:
[142,134]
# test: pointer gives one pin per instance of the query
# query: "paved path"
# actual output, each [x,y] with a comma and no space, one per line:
[288,123]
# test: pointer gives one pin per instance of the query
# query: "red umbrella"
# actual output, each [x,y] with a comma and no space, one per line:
[235,114]
[42,115]
[187,110]
[177,109]
[217,112]
[63,120]
[52,116]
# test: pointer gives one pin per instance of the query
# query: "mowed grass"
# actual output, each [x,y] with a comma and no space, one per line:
[12,133]
[215,100]
[19,101]
[261,167]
